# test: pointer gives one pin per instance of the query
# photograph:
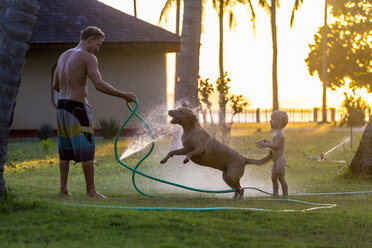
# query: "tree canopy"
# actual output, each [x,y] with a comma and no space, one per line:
[349,45]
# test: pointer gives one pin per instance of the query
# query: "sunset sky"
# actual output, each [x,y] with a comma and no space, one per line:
[247,57]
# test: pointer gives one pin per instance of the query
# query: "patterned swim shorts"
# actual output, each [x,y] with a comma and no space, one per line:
[75,131]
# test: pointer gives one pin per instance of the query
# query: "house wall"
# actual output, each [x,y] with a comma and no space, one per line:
[136,69]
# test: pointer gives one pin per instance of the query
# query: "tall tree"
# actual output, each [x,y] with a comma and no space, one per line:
[135,8]
[188,60]
[349,60]
[222,7]
[325,63]
[16,21]
[163,15]
[271,8]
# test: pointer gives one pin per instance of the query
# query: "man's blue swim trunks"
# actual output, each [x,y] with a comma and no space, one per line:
[75,131]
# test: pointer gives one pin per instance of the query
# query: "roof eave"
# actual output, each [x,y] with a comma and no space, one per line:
[167,47]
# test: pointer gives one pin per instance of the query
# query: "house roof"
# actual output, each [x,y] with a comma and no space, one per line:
[60,21]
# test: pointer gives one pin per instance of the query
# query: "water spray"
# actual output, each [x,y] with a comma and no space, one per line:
[135,168]
[314,206]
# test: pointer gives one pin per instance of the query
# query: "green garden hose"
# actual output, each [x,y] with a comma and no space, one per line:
[135,169]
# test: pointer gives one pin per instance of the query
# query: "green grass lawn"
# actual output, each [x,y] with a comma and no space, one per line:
[34,216]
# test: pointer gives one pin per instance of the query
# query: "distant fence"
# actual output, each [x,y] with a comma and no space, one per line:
[295,115]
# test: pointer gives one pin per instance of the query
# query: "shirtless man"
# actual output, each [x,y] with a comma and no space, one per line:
[279,120]
[74,121]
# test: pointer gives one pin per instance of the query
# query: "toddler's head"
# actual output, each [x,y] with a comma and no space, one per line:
[279,119]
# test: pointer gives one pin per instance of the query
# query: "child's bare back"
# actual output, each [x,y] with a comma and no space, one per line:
[279,120]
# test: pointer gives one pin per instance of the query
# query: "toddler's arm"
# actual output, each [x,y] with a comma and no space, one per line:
[274,144]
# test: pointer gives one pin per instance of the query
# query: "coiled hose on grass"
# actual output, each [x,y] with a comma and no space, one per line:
[135,168]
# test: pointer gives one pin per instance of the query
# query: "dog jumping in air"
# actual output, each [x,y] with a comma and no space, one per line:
[205,150]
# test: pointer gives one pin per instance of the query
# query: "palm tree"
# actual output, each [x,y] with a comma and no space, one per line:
[271,8]
[135,8]
[167,7]
[18,18]
[324,64]
[163,16]
[221,7]
[165,10]
[188,60]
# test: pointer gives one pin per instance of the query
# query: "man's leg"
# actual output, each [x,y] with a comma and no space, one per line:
[64,166]
[88,168]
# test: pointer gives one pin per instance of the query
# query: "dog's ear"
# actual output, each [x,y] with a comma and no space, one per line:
[191,116]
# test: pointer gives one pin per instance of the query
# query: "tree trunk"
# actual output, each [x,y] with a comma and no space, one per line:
[177,100]
[324,65]
[188,60]
[362,161]
[16,22]
[135,8]
[222,104]
[275,55]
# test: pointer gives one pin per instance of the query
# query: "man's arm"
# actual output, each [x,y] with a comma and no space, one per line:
[102,86]
[56,81]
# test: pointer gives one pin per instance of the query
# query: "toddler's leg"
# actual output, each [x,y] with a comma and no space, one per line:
[281,175]
[274,179]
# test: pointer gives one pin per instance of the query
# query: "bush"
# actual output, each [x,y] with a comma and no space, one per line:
[356,110]
[46,145]
[45,131]
[109,128]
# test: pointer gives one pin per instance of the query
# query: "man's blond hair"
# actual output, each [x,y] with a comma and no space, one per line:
[91,31]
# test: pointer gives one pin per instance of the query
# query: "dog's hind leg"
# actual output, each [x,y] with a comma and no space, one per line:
[232,176]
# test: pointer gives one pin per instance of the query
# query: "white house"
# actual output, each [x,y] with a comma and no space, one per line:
[132,58]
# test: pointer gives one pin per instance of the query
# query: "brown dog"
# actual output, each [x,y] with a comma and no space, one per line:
[205,150]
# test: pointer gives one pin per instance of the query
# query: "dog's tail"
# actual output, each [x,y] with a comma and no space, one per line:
[259,161]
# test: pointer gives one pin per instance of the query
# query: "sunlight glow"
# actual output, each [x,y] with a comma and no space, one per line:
[248,56]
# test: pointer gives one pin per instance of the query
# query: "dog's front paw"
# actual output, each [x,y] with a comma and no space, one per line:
[164,160]
[186,160]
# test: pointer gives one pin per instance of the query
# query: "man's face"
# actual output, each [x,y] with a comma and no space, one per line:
[94,44]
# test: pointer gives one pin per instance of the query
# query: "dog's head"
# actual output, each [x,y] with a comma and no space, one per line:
[182,116]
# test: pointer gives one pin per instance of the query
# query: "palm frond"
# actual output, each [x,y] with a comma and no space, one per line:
[251,10]
[232,20]
[296,6]
[167,7]
[214,4]
[263,4]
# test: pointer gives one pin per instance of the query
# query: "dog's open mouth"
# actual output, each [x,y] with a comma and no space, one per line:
[174,120]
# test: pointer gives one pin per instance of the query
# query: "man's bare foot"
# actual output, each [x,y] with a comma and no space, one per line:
[96,195]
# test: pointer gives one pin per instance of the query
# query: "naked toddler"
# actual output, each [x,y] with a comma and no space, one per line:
[279,120]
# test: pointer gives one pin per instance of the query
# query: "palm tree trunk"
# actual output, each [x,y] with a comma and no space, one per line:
[188,61]
[177,98]
[222,112]
[324,64]
[135,8]
[362,161]
[17,20]
[275,55]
